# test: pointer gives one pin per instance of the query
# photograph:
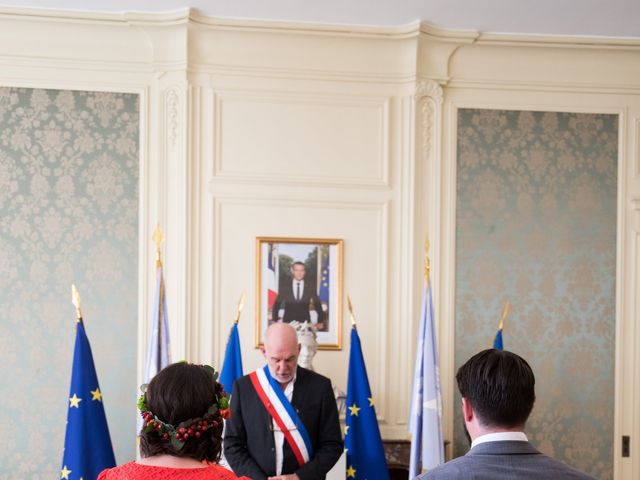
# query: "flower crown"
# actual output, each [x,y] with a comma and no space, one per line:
[192,428]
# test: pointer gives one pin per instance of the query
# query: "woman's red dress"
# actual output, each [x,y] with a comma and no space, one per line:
[135,471]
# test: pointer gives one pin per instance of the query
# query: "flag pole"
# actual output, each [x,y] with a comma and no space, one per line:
[158,355]
[239,310]
[505,312]
[237,319]
[158,238]
[353,318]
[75,299]
[427,263]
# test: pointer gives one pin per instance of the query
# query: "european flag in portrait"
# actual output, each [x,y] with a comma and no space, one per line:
[365,453]
[323,291]
[427,445]
[232,364]
[87,445]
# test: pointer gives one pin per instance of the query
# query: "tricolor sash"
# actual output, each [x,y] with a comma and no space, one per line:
[283,413]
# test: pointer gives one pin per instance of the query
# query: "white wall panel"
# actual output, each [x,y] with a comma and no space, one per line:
[307,138]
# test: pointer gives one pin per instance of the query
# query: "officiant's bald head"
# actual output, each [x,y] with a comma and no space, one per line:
[281,350]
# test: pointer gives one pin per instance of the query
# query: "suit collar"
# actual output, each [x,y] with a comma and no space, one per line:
[498,437]
[506,447]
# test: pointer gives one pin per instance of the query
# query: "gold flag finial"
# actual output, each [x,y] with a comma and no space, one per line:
[353,318]
[158,238]
[75,299]
[427,262]
[240,305]
[505,312]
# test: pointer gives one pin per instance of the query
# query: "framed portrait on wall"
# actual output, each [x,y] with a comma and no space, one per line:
[300,279]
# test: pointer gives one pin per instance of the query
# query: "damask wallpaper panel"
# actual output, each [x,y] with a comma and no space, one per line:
[536,225]
[69,214]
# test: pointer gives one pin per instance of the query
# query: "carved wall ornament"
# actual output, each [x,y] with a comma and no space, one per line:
[172,102]
[428,96]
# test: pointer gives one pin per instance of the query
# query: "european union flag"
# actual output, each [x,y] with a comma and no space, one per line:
[87,445]
[232,364]
[365,453]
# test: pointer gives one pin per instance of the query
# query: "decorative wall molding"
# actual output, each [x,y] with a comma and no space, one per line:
[172,102]
[371,111]
[431,89]
[429,96]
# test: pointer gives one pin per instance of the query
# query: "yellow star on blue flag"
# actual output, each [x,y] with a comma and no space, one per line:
[96,395]
[74,401]
[64,473]
[365,453]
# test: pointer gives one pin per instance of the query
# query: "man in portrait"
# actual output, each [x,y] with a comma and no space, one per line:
[298,300]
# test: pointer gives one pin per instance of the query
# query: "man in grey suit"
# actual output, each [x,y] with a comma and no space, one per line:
[497,389]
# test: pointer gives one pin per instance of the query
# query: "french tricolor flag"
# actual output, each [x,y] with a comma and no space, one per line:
[272,276]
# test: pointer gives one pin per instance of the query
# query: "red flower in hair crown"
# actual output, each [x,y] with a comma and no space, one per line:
[192,428]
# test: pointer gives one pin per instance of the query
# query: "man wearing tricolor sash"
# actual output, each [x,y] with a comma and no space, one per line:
[284,424]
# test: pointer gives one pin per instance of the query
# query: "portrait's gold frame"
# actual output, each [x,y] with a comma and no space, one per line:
[332,242]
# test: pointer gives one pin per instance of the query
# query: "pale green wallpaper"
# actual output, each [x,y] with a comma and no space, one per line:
[536,225]
[69,214]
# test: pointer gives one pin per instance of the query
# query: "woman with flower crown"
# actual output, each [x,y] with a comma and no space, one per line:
[182,408]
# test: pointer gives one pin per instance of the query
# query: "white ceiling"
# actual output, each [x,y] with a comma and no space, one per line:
[607,18]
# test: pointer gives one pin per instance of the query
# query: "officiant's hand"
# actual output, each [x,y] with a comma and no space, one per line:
[293,476]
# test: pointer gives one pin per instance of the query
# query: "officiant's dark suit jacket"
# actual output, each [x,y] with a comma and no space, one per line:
[249,446]
[504,460]
[297,309]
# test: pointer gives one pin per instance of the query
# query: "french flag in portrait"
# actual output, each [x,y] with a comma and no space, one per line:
[272,275]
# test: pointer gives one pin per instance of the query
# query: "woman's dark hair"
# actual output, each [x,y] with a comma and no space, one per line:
[178,393]
[500,386]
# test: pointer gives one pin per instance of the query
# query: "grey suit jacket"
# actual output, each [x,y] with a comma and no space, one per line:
[504,460]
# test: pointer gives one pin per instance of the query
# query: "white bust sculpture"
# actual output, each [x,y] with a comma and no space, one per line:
[308,343]
[307,338]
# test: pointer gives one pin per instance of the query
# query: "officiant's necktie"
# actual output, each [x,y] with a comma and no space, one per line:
[297,290]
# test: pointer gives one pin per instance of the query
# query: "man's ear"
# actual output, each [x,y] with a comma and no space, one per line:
[299,348]
[467,410]
[263,350]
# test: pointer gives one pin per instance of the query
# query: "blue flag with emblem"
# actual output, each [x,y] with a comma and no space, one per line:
[365,453]
[87,445]
[232,364]
[427,446]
